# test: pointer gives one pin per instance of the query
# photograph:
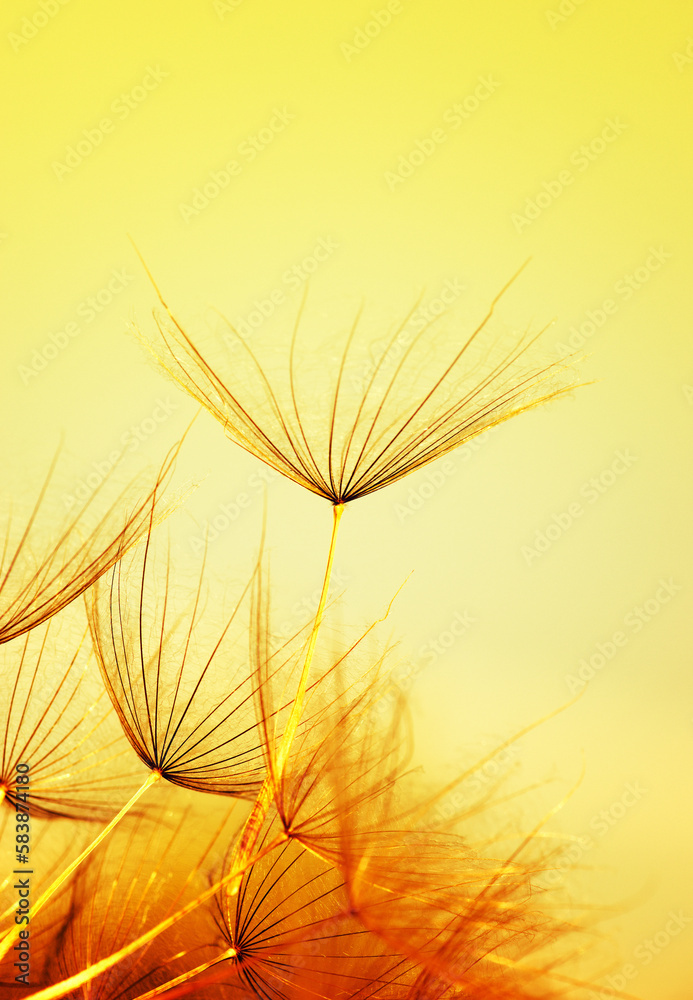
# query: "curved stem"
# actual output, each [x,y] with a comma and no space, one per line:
[253,825]
[187,976]
[297,708]
[12,935]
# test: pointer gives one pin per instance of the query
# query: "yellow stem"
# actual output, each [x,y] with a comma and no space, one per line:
[253,824]
[12,935]
[86,975]
[297,709]
[185,976]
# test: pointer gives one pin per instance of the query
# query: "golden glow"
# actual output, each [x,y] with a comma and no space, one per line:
[252,148]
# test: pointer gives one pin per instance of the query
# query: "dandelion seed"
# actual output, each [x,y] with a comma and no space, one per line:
[390,922]
[188,714]
[43,570]
[307,741]
[181,685]
[345,755]
[55,717]
[440,923]
[289,934]
[343,438]
[145,872]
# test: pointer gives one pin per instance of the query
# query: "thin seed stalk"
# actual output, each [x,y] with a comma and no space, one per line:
[253,825]
[297,708]
[187,976]
[11,936]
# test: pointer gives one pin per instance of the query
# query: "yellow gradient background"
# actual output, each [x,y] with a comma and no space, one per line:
[554,82]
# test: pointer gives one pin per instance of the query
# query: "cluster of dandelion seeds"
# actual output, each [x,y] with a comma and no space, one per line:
[218,812]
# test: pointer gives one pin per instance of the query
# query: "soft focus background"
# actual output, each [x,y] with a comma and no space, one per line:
[386,150]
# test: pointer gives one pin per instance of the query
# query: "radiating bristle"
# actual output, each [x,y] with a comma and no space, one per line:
[177,673]
[58,724]
[44,567]
[343,427]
